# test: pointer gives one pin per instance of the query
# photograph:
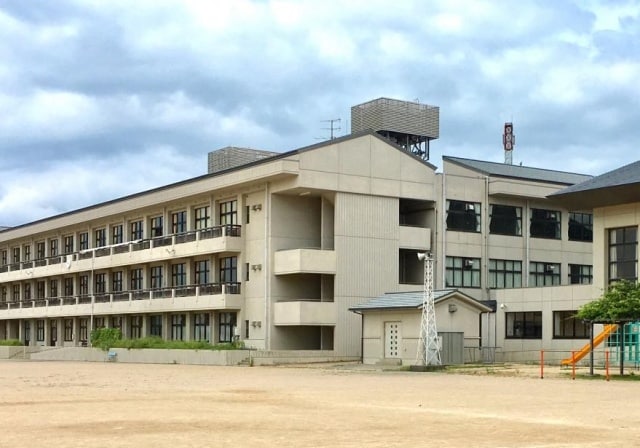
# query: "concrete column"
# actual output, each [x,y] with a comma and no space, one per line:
[188,329]
[125,327]
[60,328]
[76,332]
[21,330]
[165,326]
[214,327]
[32,332]
[145,326]
[47,332]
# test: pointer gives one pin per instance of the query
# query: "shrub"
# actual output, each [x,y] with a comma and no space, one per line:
[105,338]
[155,342]
[11,342]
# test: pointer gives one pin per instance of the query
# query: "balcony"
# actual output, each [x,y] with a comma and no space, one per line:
[218,239]
[305,261]
[303,312]
[414,238]
[211,296]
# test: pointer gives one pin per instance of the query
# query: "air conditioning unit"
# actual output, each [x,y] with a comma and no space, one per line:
[549,268]
[468,264]
[471,207]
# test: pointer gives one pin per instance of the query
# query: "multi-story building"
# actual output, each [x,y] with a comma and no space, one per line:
[272,253]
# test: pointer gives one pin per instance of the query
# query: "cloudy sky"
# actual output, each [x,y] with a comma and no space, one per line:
[102,99]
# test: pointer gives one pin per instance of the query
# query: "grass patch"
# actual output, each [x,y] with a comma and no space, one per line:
[11,342]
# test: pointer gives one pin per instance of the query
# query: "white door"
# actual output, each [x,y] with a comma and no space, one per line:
[392,339]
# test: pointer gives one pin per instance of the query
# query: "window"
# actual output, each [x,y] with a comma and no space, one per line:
[68,244]
[179,222]
[16,255]
[98,322]
[53,331]
[201,272]
[505,273]
[26,250]
[463,216]
[3,255]
[228,213]
[566,326]
[156,226]
[68,330]
[246,272]
[68,287]
[623,254]
[156,276]
[116,281]
[53,248]
[116,322]
[40,250]
[580,274]
[84,285]
[3,294]
[177,326]
[580,226]
[225,327]
[229,270]
[137,231]
[247,214]
[201,218]
[27,291]
[505,220]
[101,238]
[40,288]
[117,235]
[178,274]
[136,279]
[53,288]
[201,327]
[27,333]
[100,283]
[246,329]
[545,224]
[83,333]
[135,327]
[16,293]
[40,330]
[84,241]
[155,325]
[526,325]
[462,272]
[544,274]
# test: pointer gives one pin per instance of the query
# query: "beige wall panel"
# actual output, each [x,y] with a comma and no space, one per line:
[295,222]
[354,157]
[386,161]
[354,184]
[326,159]
[386,187]
[316,180]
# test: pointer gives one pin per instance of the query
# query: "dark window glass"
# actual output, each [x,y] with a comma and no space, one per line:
[179,222]
[580,226]
[201,329]
[545,223]
[202,218]
[228,213]
[524,325]
[101,238]
[136,279]
[225,326]
[156,227]
[566,326]
[544,274]
[137,231]
[580,274]
[229,270]
[463,216]
[505,220]
[156,277]
[462,272]
[155,325]
[505,273]
[178,323]
[117,235]
[84,241]
[623,254]
[201,272]
[179,274]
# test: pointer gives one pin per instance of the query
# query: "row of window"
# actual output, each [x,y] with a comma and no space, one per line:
[507,220]
[528,325]
[201,328]
[201,275]
[115,234]
[465,273]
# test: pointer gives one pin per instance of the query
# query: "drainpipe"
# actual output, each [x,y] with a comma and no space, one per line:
[267,270]
[443,208]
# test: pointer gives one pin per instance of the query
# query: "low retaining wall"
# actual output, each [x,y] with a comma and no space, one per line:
[11,352]
[146,356]
[275,357]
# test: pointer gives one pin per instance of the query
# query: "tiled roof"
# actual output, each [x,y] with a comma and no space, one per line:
[411,299]
[519,172]
[628,174]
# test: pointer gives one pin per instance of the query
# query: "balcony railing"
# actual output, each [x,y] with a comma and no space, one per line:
[179,238]
[125,296]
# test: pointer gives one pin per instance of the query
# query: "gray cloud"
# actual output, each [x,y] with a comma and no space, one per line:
[88,87]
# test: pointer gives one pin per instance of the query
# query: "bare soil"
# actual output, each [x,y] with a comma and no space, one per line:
[68,404]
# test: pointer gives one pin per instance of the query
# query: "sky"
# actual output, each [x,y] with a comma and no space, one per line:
[99,99]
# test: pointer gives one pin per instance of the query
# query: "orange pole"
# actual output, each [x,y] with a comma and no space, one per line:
[606,363]
[541,364]
[573,365]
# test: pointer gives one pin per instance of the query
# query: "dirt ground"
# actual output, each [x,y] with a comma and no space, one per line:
[68,404]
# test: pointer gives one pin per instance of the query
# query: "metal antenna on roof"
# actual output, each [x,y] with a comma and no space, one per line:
[332,129]
[428,345]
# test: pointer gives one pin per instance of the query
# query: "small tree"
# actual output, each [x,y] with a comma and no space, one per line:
[621,302]
[105,338]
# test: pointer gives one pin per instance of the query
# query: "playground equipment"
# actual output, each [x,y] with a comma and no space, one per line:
[608,330]
[631,343]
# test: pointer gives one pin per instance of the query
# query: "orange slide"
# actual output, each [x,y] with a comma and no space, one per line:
[608,329]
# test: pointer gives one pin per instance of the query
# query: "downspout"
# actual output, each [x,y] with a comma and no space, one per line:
[525,230]
[267,270]
[443,208]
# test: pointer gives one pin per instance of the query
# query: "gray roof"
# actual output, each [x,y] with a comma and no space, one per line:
[519,172]
[411,299]
[620,186]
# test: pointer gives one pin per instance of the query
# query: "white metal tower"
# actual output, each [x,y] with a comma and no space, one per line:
[428,347]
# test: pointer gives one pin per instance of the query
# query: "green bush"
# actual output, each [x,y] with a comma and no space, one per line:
[105,338]
[155,342]
[11,342]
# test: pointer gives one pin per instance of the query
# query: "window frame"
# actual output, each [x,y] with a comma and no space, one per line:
[461,220]
[502,220]
[579,275]
[625,259]
[463,265]
[201,218]
[542,225]
[577,229]
[543,273]
[534,321]
[559,329]
[228,212]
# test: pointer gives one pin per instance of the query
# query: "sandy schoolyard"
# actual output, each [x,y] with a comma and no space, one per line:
[68,404]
